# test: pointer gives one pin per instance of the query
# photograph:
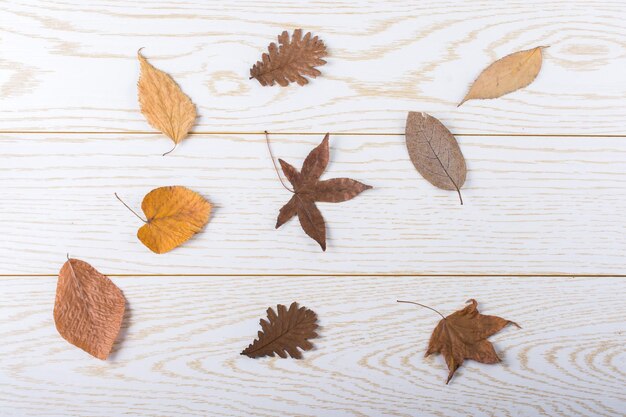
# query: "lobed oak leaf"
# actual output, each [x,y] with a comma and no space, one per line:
[283,333]
[163,103]
[88,309]
[173,215]
[506,75]
[291,61]
[435,152]
[308,189]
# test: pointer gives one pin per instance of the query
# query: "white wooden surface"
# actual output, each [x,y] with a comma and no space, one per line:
[545,197]
[179,353]
[71,64]
[532,205]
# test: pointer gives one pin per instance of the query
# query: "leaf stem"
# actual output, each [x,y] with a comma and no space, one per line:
[131,210]
[422,305]
[269,148]
[460,197]
[171,150]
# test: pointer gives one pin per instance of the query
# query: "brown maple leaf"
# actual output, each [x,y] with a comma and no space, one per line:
[308,189]
[463,335]
[291,60]
[284,333]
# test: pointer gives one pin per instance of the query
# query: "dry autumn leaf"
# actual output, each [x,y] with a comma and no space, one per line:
[88,309]
[284,333]
[164,104]
[290,61]
[173,215]
[435,152]
[506,75]
[308,189]
[463,335]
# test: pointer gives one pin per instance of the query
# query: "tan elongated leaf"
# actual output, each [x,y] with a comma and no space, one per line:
[435,152]
[284,333]
[290,61]
[506,75]
[463,335]
[308,188]
[88,309]
[163,103]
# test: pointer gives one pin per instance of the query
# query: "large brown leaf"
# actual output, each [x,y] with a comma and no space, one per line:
[506,75]
[308,189]
[283,333]
[463,335]
[435,152]
[88,309]
[164,104]
[290,61]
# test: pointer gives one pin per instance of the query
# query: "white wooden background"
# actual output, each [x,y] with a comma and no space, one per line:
[541,239]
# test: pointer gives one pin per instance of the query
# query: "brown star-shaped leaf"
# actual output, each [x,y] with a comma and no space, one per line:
[463,335]
[308,189]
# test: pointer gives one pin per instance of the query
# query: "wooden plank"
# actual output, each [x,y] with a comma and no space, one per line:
[179,350]
[532,206]
[72,66]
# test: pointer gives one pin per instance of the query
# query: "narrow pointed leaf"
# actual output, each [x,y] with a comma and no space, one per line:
[316,162]
[506,75]
[292,174]
[312,221]
[287,211]
[337,190]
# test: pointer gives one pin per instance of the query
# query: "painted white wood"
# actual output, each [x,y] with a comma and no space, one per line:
[71,65]
[532,206]
[179,350]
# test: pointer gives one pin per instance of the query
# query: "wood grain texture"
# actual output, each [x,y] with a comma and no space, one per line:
[68,65]
[532,206]
[179,353]
[549,203]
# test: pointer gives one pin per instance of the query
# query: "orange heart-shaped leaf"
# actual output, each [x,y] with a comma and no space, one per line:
[173,216]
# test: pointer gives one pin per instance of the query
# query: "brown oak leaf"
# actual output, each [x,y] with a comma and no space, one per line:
[284,333]
[463,335]
[290,61]
[88,309]
[308,189]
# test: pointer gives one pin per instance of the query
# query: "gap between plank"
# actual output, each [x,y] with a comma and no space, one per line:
[208,133]
[344,275]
